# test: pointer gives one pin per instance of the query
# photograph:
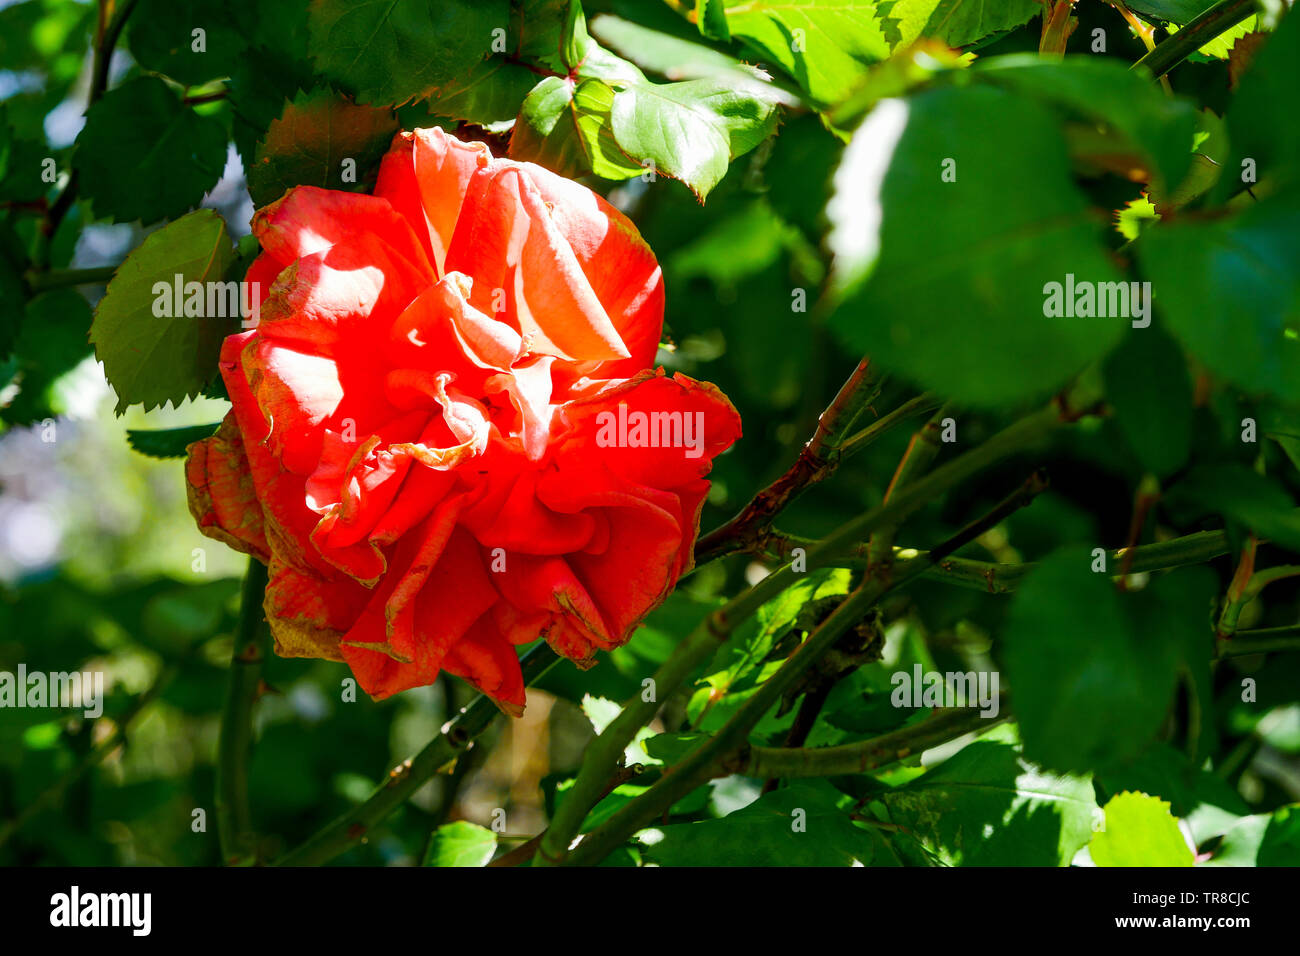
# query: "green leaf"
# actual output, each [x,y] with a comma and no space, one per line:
[625,793]
[260,86]
[600,712]
[1241,494]
[744,653]
[145,155]
[568,129]
[1281,843]
[151,359]
[1230,289]
[1140,831]
[162,39]
[51,341]
[803,824]
[33,34]
[1170,11]
[460,844]
[1262,840]
[670,748]
[1209,805]
[824,45]
[711,18]
[1261,119]
[690,130]
[390,52]
[986,806]
[1089,688]
[538,31]
[168,442]
[22,162]
[1148,386]
[618,124]
[677,59]
[490,94]
[574,39]
[958,23]
[1221,46]
[312,142]
[1107,92]
[947,282]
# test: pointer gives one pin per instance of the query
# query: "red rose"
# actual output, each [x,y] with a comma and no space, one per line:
[446,437]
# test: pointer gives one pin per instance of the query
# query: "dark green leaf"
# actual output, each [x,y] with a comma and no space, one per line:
[1230,289]
[322,140]
[144,155]
[1106,92]
[1088,688]
[389,53]
[985,806]
[192,41]
[167,442]
[51,341]
[1148,386]
[804,824]
[1241,494]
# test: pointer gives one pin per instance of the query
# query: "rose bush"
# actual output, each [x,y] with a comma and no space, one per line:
[419,447]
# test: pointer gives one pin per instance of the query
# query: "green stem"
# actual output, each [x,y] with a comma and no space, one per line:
[412,773]
[995,578]
[864,756]
[106,38]
[916,461]
[91,758]
[235,744]
[38,281]
[1261,640]
[601,758]
[1171,51]
[706,759]
[886,423]
[603,754]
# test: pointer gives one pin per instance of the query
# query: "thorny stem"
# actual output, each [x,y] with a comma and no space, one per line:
[1145,32]
[235,745]
[864,756]
[108,30]
[1261,640]
[409,776]
[704,761]
[604,753]
[1171,51]
[1004,578]
[916,461]
[817,460]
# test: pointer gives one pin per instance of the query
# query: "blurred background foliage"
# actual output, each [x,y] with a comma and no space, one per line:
[101,566]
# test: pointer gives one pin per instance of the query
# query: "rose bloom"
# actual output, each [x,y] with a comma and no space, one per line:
[439,439]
